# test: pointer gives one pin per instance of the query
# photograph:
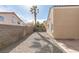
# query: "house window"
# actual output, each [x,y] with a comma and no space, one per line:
[1,18]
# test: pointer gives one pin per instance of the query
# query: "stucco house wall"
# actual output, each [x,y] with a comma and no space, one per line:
[10,18]
[65,21]
[50,22]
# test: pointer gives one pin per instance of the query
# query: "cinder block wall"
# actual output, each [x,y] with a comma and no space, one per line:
[28,30]
[10,34]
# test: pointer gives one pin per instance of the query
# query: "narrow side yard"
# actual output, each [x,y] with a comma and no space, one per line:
[35,43]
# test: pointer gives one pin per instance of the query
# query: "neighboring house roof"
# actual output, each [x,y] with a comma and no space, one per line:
[12,13]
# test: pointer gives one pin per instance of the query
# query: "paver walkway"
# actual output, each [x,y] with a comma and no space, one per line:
[35,43]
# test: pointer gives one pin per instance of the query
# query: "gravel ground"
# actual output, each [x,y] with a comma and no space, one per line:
[35,43]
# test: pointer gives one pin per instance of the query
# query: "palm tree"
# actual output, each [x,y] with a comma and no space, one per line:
[34,11]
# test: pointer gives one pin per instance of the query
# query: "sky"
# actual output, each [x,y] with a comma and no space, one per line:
[23,11]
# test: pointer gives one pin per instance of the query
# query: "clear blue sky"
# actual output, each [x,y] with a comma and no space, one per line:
[23,11]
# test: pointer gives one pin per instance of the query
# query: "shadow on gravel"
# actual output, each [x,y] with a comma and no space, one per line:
[49,48]
[37,39]
[45,49]
[36,45]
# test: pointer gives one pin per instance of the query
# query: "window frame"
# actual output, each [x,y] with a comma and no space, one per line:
[1,18]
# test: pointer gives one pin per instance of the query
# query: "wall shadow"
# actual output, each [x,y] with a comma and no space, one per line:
[37,39]
[48,48]
[45,49]
[36,45]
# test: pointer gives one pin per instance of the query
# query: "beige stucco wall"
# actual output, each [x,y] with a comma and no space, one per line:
[50,26]
[66,22]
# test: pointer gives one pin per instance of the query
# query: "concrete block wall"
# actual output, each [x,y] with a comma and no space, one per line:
[10,34]
[28,30]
